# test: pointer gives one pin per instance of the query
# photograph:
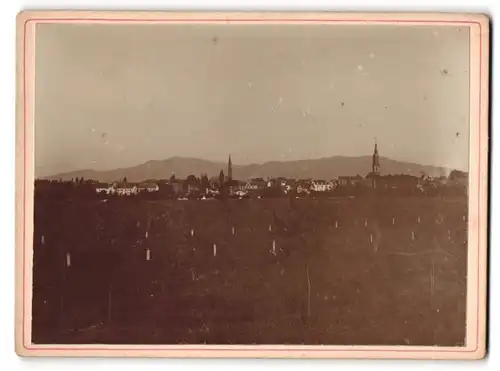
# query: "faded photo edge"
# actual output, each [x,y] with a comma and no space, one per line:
[24,190]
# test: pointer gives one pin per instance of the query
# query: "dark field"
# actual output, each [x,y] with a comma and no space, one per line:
[342,272]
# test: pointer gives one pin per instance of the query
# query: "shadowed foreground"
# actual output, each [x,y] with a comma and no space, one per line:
[346,271]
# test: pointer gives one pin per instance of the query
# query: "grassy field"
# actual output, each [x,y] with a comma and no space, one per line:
[344,271]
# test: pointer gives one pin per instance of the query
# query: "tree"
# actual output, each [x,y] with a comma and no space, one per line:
[205,183]
[457,174]
[221,178]
[192,180]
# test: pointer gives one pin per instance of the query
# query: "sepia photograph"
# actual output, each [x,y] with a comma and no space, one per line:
[282,182]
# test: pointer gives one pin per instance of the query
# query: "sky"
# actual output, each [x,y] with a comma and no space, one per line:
[115,95]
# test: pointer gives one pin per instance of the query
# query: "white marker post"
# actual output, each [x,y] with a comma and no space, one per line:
[418,219]
[336,224]
[274,247]
[366,222]
[270,227]
[192,232]
[68,259]
[413,235]
[43,240]
[147,234]
[449,234]
[148,254]
[215,250]
[371,238]
[393,221]
[232,230]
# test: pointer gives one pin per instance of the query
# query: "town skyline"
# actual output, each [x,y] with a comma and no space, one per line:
[322,168]
[226,184]
[40,174]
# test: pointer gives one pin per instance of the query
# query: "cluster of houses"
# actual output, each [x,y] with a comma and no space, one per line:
[286,185]
[125,188]
[184,188]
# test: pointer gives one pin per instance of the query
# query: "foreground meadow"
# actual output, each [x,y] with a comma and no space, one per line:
[266,271]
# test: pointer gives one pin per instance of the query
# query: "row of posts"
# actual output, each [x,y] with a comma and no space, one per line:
[233,231]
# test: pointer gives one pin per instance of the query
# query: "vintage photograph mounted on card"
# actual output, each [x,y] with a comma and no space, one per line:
[252,185]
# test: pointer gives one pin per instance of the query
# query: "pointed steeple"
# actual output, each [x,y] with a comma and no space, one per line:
[230,169]
[376,160]
[221,177]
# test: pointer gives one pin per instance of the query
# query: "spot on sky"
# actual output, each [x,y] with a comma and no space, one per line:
[93,130]
[435,33]
[342,103]
[250,84]
[372,55]
[280,100]
[444,71]
[215,40]
[457,134]
[104,135]
[360,67]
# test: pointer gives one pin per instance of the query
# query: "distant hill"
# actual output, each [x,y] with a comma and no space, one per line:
[324,168]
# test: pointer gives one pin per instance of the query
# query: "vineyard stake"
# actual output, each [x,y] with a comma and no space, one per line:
[308,292]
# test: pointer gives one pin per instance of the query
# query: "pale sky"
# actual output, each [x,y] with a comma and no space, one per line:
[111,96]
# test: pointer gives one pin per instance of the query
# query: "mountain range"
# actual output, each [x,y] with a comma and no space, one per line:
[323,168]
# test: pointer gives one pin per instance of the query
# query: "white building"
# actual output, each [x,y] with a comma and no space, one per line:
[322,186]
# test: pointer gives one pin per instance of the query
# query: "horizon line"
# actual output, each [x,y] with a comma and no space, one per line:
[240,165]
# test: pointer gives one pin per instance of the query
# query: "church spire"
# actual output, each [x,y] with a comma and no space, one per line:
[230,169]
[376,160]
